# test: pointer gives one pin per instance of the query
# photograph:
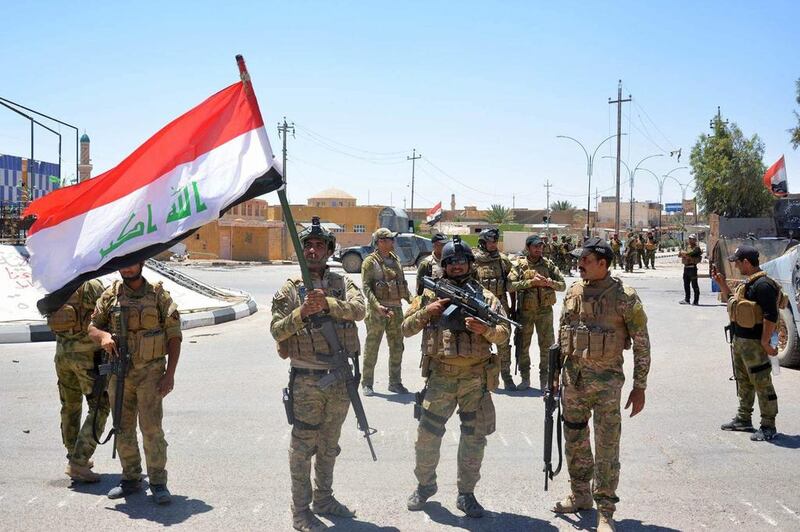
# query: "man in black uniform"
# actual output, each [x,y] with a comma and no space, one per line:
[691,257]
[753,308]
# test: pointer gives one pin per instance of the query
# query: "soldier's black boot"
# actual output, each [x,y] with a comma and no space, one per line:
[330,506]
[738,425]
[125,488]
[161,494]
[467,503]
[397,387]
[420,496]
[305,521]
[764,434]
[508,383]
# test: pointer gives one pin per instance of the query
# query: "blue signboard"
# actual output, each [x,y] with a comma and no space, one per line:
[41,180]
[673,207]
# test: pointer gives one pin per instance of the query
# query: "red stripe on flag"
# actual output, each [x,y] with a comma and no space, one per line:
[221,118]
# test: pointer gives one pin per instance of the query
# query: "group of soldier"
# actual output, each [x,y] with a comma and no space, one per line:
[638,249]
[600,319]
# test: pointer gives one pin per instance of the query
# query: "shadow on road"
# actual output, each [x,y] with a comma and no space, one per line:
[504,521]
[402,398]
[588,520]
[140,506]
[787,441]
[343,523]
[530,392]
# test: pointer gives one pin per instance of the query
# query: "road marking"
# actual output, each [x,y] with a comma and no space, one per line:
[502,439]
[785,508]
[258,508]
[765,517]
[30,501]
[527,440]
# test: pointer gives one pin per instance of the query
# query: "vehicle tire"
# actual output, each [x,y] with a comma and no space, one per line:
[352,263]
[788,341]
[421,257]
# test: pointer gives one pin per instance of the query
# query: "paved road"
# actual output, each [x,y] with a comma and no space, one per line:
[228,439]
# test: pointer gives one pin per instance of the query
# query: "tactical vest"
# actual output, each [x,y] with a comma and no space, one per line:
[491,274]
[459,348]
[595,332]
[147,339]
[746,313]
[691,261]
[650,246]
[72,317]
[615,245]
[433,267]
[536,297]
[305,345]
[388,285]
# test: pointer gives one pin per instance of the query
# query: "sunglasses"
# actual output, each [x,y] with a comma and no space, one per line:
[458,261]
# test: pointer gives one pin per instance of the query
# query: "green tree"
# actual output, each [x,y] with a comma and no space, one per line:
[498,214]
[796,131]
[728,169]
[562,205]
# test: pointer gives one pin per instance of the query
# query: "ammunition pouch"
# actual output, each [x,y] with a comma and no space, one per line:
[596,344]
[150,344]
[64,320]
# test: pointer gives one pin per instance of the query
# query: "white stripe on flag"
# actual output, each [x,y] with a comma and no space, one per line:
[75,245]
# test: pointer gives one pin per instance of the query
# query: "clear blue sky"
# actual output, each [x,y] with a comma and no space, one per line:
[481,89]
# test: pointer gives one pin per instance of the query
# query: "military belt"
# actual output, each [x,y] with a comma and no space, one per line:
[308,371]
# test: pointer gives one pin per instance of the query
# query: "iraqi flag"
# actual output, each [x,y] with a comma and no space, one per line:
[775,178]
[434,214]
[189,173]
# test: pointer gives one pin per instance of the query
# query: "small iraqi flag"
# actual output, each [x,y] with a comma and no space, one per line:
[775,178]
[198,166]
[434,214]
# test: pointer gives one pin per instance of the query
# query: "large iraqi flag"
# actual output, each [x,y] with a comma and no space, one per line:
[189,173]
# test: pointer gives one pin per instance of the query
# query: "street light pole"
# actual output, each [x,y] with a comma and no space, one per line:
[589,171]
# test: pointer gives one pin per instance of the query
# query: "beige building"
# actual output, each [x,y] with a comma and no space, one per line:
[332,197]
[645,213]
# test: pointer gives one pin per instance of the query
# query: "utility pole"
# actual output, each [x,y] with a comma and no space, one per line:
[413,160]
[547,207]
[596,207]
[712,124]
[619,101]
[283,130]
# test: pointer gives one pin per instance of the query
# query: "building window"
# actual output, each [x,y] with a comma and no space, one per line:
[359,228]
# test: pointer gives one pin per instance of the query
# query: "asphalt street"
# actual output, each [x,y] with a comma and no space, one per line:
[228,438]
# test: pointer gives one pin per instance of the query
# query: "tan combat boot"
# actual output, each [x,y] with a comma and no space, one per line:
[305,521]
[81,473]
[573,504]
[330,506]
[605,522]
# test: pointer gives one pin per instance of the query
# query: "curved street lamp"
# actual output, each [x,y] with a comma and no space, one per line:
[589,170]
[632,175]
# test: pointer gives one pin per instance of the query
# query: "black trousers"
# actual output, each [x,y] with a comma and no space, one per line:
[690,278]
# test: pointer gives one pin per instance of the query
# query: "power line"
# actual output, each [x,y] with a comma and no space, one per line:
[332,141]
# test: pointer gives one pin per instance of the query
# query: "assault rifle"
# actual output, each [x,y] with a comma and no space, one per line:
[118,366]
[464,302]
[729,337]
[337,356]
[552,396]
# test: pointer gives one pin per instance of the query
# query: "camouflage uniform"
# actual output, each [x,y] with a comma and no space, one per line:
[460,371]
[535,309]
[428,267]
[650,253]
[639,246]
[153,320]
[75,367]
[599,321]
[318,413]
[630,252]
[384,284]
[616,246]
[492,271]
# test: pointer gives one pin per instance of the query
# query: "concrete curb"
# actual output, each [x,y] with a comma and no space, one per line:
[40,332]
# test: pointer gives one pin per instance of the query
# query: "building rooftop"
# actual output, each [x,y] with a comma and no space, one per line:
[332,193]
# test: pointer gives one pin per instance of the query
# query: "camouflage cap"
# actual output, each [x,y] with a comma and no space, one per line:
[383,233]
[533,240]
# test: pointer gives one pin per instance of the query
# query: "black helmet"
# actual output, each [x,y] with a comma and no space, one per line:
[456,248]
[491,233]
[317,231]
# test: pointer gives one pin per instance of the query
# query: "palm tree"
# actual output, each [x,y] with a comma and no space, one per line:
[562,205]
[499,214]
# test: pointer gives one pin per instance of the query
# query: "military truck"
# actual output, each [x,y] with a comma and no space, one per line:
[410,248]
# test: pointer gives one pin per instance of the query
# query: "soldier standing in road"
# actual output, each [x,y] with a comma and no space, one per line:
[630,252]
[384,287]
[493,268]
[639,245]
[460,371]
[430,266]
[691,258]
[547,251]
[76,368]
[616,246]
[600,319]
[565,256]
[318,413]
[650,247]
[753,308]
[154,341]
[535,280]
